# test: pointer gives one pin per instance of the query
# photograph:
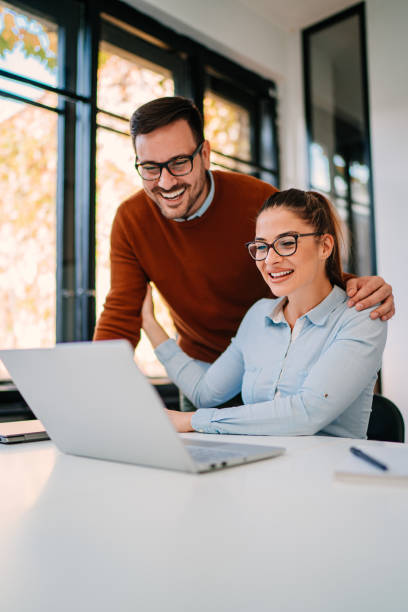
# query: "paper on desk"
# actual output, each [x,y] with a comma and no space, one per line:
[395,457]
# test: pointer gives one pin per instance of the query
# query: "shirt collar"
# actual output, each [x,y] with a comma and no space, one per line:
[277,315]
[205,205]
[318,315]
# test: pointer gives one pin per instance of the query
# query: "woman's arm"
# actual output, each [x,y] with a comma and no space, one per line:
[333,383]
[204,386]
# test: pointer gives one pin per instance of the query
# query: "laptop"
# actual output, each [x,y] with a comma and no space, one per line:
[94,402]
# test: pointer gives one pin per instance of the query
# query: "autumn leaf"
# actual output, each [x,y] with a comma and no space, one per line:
[9,22]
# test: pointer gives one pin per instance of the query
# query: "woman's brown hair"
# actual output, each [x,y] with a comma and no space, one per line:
[314,208]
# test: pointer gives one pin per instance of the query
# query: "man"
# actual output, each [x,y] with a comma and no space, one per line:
[174,232]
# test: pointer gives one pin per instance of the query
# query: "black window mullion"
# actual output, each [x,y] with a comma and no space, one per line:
[85,172]
[195,84]
[255,136]
[65,322]
[268,139]
[66,258]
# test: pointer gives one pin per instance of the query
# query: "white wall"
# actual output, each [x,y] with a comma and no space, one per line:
[388,94]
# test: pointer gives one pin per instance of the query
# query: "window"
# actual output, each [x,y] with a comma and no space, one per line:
[70,78]
[29,117]
[230,114]
[337,121]
[227,127]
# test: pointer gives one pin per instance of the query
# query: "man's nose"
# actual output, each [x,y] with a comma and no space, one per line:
[166,180]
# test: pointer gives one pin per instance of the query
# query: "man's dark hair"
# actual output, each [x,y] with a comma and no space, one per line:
[161,112]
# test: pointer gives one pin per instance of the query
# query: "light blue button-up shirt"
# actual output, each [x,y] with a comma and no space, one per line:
[319,380]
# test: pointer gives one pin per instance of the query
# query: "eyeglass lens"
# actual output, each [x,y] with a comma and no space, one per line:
[283,246]
[178,167]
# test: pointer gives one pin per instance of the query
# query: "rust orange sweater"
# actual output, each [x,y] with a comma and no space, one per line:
[201,267]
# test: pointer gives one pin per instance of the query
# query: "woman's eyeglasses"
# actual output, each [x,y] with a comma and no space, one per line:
[283,246]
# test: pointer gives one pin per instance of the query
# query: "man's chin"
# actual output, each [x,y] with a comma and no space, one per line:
[176,211]
[171,212]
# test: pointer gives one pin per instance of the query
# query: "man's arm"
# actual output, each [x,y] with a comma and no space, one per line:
[121,314]
[367,291]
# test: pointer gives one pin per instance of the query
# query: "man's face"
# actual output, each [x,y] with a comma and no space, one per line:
[176,196]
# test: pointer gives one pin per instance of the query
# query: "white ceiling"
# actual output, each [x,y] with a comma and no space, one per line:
[295,14]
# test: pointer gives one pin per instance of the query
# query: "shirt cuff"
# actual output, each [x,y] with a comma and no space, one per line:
[166,350]
[201,420]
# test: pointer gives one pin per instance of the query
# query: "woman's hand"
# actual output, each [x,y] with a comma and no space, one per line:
[152,328]
[181,421]
[367,291]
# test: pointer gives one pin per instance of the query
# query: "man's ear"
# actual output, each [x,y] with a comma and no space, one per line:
[205,154]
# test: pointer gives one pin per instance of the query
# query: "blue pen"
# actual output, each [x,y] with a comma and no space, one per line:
[362,455]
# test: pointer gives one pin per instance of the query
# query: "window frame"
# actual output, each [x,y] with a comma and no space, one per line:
[355,11]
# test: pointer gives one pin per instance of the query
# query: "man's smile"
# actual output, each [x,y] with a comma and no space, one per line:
[172,195]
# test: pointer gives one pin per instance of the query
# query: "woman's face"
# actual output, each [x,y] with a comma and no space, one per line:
[288,275]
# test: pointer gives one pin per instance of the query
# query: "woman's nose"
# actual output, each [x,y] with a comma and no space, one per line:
[272,256]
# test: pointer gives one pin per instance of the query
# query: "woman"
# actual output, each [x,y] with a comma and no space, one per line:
[305,363]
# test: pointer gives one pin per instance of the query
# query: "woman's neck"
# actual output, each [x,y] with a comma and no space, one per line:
[299,303]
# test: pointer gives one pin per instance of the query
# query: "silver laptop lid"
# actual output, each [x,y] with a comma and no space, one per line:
[94,401]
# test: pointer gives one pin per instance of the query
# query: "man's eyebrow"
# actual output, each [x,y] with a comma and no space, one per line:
[156,163]
[147,161]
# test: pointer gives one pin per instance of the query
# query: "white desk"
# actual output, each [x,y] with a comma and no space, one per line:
[283,535]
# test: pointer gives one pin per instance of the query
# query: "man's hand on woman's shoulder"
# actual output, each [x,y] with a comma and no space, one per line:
[367,291]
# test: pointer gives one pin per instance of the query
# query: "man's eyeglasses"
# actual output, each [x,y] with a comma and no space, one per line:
[283,245]
[177,166]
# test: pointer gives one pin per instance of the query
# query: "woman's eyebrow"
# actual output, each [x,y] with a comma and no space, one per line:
[288,233]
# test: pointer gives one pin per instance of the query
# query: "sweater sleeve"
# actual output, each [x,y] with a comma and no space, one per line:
[343,371]
[121,314]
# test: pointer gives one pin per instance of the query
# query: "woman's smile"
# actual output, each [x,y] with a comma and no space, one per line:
[280,275]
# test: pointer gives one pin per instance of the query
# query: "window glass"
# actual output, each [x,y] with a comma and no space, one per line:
[28,172]
[28,183]
[125,82]
[320,170]
[339,164]
[227,127]
[28,47]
